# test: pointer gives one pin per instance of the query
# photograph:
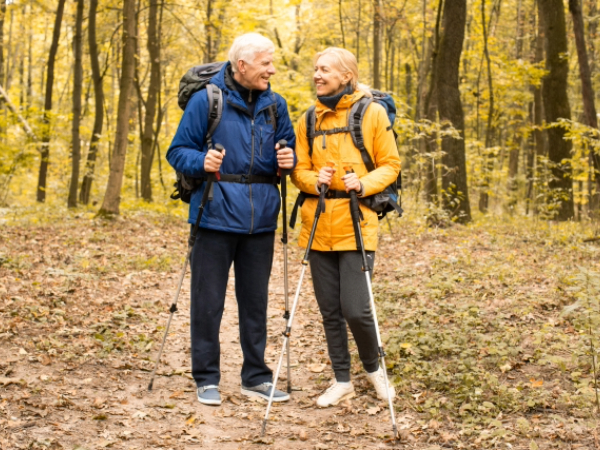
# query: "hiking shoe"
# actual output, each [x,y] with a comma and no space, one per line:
[264,391]
[336,393]
[209,395]
[378,380]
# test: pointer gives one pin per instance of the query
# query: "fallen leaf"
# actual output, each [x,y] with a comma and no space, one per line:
[374,410]
[317,368]
[177,394]
[4,381]
[536,383]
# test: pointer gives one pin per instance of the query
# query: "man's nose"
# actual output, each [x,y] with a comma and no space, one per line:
[272,69]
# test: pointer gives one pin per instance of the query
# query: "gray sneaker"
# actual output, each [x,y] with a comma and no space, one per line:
[264,391]
[209,395]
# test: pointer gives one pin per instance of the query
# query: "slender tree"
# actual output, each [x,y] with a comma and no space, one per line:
[86,184]
[153,45]
[112,197]
[587,90]
[377,28]
[77,89]
[556,105]
[454,178]
[45,145]
[488,163]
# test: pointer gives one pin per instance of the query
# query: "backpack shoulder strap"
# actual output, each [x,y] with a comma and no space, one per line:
[310,128]
[215,110]
[355,120]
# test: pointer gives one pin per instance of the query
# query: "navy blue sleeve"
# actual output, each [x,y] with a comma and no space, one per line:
[187,151]
[285,129]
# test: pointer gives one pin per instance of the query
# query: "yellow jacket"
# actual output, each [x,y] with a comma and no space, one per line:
[334,230]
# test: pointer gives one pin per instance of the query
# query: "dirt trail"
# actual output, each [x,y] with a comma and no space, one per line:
[75,375]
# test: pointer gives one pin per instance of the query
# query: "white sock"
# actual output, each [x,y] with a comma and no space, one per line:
[343,383]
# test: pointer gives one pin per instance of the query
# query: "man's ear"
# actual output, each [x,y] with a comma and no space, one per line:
[240,66]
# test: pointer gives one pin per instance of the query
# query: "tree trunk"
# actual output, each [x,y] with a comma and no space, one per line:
[377,26]
[112,197]
[488,163]
[454,179]
[2,15]
[88,178]
[341,23]
[556,105]
[151,101]
[513,156]
[77,89]
[587,91]
[45,146]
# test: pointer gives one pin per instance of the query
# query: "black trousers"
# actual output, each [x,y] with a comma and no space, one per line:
[343,296]
[252,258]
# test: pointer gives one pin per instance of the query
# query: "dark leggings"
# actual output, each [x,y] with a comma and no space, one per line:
[342,294]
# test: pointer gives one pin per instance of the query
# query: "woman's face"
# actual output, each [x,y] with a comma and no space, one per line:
[328,79]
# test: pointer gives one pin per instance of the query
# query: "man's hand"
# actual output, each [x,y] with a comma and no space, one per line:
[213,160]
[325,176]
[285,157]
[352,182]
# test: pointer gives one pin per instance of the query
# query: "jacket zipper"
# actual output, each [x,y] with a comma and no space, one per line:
[250,184]
[251,158]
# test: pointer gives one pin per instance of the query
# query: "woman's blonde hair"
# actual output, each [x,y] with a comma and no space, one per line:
[345,62]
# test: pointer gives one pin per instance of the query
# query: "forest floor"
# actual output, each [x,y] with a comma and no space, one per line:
[481,348]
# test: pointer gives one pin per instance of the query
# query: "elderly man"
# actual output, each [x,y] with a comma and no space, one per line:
[239,223]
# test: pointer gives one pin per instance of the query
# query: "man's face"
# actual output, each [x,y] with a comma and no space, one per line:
[256,75]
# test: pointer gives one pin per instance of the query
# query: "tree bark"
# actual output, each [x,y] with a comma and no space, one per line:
[341,23]
[556,105]
[77,90]
[488,163]
[587,90]
[513,156]
[45,145]
[151,101]
[88,178]
[377,26]
[2,15]
[112,197]
[454,178]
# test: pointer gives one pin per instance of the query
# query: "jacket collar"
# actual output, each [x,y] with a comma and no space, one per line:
[223,80]
[345,103]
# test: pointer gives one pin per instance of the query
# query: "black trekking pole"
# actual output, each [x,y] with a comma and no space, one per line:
[284,239]
[356,217]
[191,241]
[288,329]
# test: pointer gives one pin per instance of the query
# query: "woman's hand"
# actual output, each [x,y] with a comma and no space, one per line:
[352,182]
[325,176]
[213,160]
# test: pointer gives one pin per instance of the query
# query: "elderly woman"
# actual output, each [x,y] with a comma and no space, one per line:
[239,223]
[336,264]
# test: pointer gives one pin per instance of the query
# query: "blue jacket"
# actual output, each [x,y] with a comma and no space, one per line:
[249,143]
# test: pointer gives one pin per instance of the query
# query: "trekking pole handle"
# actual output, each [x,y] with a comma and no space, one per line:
[284,236]
[356,218]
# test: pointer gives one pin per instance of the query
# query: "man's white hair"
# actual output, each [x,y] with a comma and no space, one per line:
[247,46]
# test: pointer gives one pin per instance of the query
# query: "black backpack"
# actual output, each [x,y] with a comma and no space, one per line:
[389,199]
[196,79]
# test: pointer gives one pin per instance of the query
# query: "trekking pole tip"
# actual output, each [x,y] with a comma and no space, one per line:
[264,426]
[150,385]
